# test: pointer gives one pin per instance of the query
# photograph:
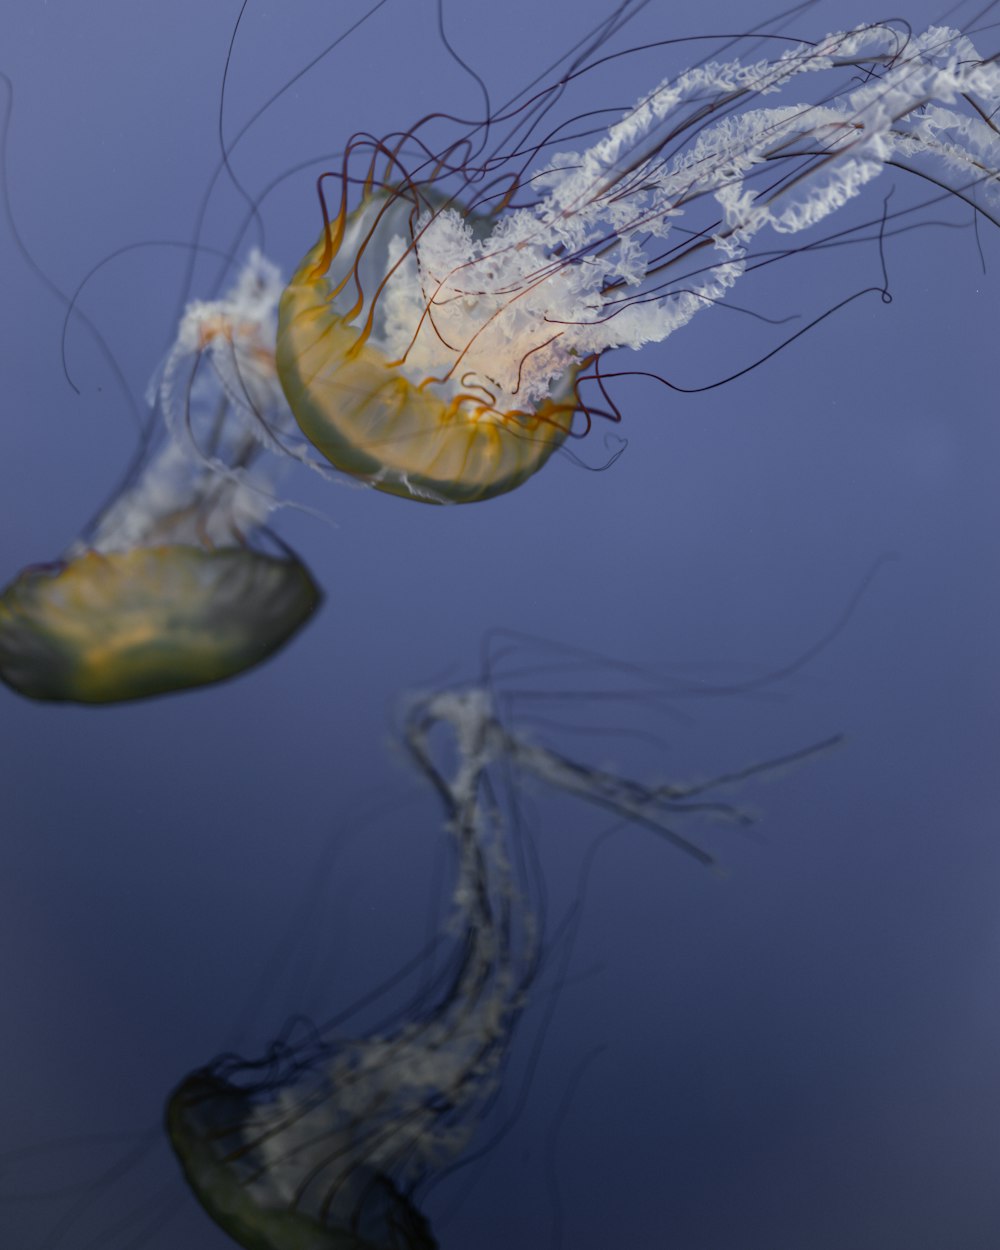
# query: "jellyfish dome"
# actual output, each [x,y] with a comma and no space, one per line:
[175,584]
[436,340]
[101,628]
[263,1200]
[370,402]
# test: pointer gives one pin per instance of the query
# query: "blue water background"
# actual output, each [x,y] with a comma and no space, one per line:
[800,1054]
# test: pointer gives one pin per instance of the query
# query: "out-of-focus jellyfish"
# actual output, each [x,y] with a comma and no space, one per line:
[439,338]
[328,1141]
[324,1144]
[176,583]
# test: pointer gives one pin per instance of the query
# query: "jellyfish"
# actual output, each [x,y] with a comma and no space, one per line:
[440,338]
[324,1143]
[330,1141]
[177,583]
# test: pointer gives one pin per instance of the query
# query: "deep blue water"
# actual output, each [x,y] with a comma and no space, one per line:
[800,1053]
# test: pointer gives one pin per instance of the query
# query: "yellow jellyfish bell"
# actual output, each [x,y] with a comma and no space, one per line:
[175,584]
[421,419]
[102,628]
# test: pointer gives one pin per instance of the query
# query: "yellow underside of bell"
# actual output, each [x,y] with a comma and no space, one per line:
[371,421]
[108,627]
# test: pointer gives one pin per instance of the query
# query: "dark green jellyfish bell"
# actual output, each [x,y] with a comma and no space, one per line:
[107,627]
[225,1159]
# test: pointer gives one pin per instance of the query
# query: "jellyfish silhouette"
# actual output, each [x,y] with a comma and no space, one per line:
[329,1141]
[436,340]
[176,583]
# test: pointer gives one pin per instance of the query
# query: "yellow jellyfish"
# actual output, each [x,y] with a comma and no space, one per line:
[437,339]
[176,584]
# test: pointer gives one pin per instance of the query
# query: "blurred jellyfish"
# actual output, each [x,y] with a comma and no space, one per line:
[334,1140]
[329,1141]
[437,339]
[176,583]
[324,1144]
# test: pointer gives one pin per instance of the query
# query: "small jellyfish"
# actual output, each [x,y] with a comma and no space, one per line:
[436,340]
[329,1142]
[176,583]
